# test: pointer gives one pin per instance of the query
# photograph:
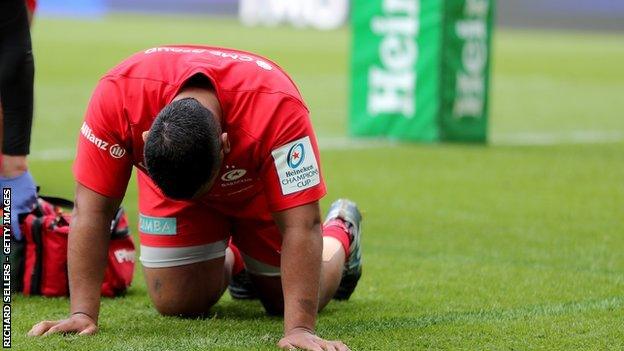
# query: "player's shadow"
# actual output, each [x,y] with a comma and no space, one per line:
[245,310]
[239,310]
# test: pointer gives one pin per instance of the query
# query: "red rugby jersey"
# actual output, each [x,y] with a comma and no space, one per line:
[274,148]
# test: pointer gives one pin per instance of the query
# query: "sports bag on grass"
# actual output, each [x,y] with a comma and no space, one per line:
[42,264]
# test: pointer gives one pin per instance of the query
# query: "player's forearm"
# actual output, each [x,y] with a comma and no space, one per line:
[86,258]
[301,270]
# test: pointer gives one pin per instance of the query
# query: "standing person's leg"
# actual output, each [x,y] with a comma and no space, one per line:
[184,252]
[16,84]
[16,99]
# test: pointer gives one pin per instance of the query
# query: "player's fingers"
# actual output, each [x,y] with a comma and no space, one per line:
[52,330]
[286,346]
[35,330]
[311,345]
[66,326]
[328,346]
[40,328]
[305,344]
[90,330]
[340,346]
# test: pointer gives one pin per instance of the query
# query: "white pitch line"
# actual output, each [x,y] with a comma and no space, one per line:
[572,137]
[516,139]
[53,155]
[346,143]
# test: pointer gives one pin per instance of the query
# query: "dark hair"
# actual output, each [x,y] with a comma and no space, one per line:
[182,150]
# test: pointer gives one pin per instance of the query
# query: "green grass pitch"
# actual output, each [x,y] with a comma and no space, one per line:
[504,247]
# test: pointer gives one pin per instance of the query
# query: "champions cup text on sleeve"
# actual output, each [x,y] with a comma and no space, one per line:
[296,166]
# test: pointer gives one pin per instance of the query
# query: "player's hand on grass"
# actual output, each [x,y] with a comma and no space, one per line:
[80,324]
[303,339]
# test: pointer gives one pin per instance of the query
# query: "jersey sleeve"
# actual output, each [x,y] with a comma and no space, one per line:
[103,161]
[291,171]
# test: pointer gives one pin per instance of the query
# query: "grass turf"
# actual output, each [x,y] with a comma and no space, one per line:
[465,247]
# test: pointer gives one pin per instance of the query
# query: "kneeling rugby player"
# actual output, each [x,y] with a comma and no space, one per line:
[229,181]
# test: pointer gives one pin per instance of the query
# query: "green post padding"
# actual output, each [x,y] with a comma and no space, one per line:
[420,69]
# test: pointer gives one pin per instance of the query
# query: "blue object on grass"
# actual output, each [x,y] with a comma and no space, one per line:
[23,198]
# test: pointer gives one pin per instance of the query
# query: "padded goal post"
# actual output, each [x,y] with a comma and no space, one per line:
[420,69]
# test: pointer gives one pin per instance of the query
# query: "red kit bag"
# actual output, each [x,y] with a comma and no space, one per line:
[44,263]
